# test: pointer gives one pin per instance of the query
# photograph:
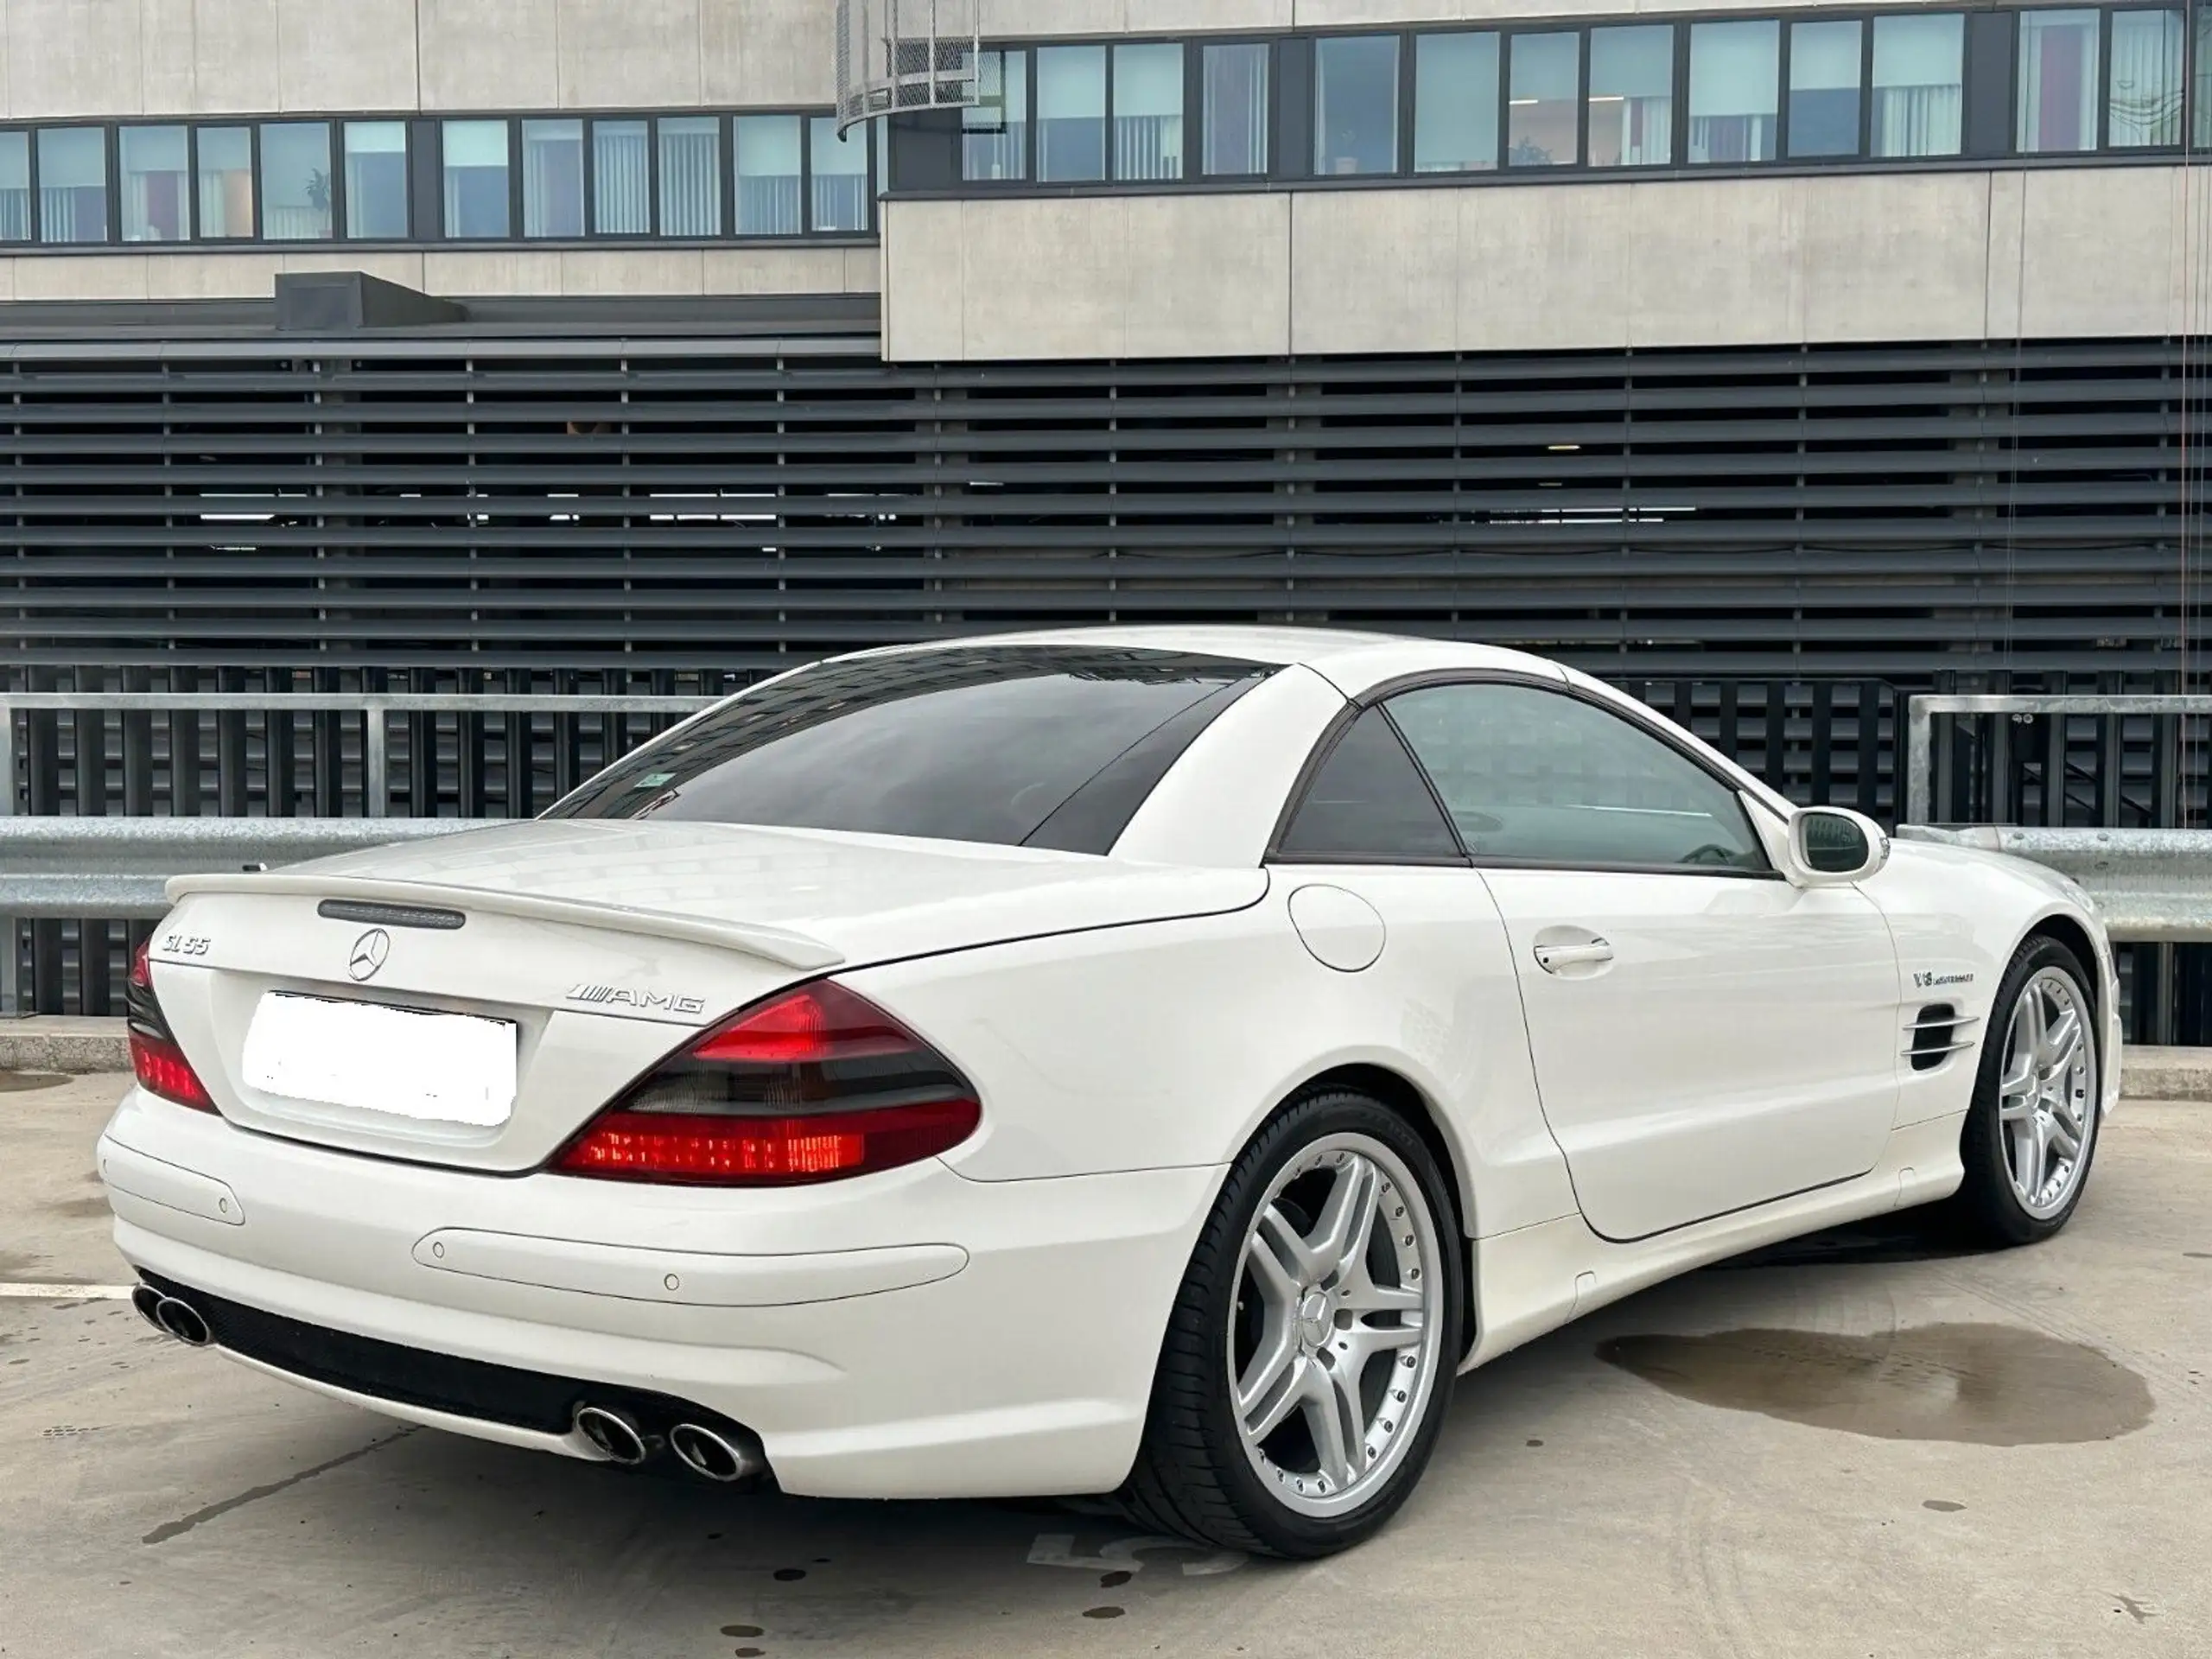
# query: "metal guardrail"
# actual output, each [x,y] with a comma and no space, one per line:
[2150,886]
[1920,726]
[52,869]
[375,708]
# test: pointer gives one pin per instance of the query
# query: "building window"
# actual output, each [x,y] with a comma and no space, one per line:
[552,179]
[2145,106]
[768,176]
[1148,112]
[1632,96]
[1072,113]
[2058,81]
[476,179]
[1355,104]
[156,174]
[1824,63]
[375,180]
[14,187]
[1918,84]
[994,129]
[1734,90]
[1541,101]
[840,176]
[690,175]
[621,179]
[1455,103]
[296,181]
[225,164]
[73,184]
[1235,114]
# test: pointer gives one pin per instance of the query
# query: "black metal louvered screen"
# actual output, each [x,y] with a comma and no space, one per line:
[463,505]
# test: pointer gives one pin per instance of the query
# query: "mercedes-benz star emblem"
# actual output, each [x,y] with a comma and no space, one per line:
[368,954]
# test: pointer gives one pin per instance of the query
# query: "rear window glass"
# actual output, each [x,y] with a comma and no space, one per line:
[1053,745]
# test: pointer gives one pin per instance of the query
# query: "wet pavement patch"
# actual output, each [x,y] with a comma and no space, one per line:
[1981,1385]
[1941,1505]
[16,1083]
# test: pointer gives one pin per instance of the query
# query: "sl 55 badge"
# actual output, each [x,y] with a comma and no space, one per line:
[644,1001]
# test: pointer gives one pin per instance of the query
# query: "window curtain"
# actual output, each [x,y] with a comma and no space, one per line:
[2058,80]
[14,187]
[1071,112]
[621,179]
[1148,112]
[994,139]
[476,178]
[1735,83]
[690,177]
[1236,109]
[839,177]
[1632,96]
[2146,79]
[1918,75]
[767,175]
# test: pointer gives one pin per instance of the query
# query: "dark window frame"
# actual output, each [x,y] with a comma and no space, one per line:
[425,163]
[1642,720]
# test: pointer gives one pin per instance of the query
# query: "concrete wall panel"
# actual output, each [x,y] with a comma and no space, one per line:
[2105,253]
[405,269]
[474,273]
[213,277]
[767,52]
[633,271]
[1375,271]
[639,54]
[1895,258]
[167,54]
[924,291]
[477,55]
[356,55]
[1220,283]
[73,58]
[1708,262]
[235,68]
[1534,278]
[81,276]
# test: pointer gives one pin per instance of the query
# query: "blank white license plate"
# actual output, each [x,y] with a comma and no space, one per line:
[442,1068]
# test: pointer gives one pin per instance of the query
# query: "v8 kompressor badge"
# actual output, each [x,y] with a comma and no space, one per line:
[624,997]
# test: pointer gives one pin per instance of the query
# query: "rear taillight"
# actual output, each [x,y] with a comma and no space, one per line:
[156,1060]
[816,1084]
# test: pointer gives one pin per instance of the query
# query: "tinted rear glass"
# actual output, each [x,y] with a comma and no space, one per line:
[1052,745]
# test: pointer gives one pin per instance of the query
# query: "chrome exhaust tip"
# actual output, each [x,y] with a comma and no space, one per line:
[181,1321]
[713,1455]
[148,1301]
[615,1433]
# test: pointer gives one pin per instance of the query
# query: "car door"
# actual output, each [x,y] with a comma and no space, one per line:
[1707,1037]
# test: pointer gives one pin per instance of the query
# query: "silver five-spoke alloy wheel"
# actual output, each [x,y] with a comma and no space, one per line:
[2047,1092]
[1335,1330]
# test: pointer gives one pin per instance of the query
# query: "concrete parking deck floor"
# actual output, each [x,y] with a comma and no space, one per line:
[1851,1448]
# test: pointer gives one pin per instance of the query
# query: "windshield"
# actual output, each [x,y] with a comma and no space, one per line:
[1031,746]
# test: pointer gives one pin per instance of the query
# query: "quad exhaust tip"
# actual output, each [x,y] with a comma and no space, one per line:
[616,1433]
[714,1455]
[172,1316]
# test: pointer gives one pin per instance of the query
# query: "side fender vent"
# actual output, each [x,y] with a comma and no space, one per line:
[1937,1033]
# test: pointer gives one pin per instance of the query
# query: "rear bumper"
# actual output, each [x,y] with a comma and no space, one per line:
[912,1334]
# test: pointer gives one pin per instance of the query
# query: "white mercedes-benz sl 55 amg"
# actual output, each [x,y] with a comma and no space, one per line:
[1148,1062]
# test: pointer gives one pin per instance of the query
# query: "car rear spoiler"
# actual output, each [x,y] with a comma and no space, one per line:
[776,944]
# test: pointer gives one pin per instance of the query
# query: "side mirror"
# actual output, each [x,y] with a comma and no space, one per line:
[1832,846]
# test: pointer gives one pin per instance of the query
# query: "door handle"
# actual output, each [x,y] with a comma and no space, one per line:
[1552,957]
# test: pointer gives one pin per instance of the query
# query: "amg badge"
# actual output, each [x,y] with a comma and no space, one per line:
[619,996]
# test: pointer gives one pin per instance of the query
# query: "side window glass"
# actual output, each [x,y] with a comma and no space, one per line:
[1367,802]
[1536,775]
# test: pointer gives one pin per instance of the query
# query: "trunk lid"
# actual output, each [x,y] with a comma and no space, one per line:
[603,942]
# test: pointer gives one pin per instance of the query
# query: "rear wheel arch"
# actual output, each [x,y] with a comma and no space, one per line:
[1407,1100]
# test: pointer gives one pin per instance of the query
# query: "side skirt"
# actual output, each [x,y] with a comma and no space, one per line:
[1536,1279]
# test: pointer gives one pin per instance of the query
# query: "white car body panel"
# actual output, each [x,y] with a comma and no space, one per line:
[1742,1044]
[986,1322]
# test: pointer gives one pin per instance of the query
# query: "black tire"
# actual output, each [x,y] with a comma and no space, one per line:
[1193,1477]
[1989,1210]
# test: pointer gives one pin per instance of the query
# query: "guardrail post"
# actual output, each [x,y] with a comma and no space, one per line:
[375,761]
[1919,762]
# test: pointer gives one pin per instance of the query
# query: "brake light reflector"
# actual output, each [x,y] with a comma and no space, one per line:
[156,1060]
[816,1084]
